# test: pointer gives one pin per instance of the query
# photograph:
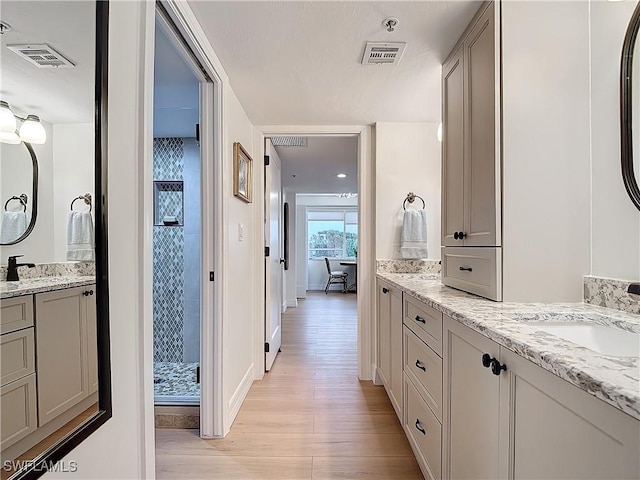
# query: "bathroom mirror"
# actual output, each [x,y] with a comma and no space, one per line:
[53,59]
[19,191]
[630,109]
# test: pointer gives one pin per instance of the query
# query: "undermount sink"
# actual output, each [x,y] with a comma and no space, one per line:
[603,339]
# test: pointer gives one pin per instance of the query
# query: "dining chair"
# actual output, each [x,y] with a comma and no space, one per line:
[335,276]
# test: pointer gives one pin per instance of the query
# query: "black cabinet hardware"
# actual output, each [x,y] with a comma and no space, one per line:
[422,430]
[420,319]
[385,290]
[459,235]
[86,293]
[487,360]
[421,366]
[466,269]
[455,236]
[497,367]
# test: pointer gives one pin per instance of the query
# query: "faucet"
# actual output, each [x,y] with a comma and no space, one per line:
[634,288]
[12,270]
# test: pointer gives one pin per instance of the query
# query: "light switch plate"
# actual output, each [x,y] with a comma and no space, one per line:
[240,232]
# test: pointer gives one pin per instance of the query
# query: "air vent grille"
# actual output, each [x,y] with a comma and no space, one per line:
[289,141]
[383,53]
[43,56]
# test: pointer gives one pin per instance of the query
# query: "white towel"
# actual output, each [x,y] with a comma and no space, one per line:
[13,226]
[80,237]
[414,234]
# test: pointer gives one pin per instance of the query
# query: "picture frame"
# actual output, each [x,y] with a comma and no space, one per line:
[242,173]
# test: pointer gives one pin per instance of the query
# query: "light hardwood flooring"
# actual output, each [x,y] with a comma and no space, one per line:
[309,418]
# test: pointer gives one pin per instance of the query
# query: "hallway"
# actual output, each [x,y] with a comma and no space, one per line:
[310,417]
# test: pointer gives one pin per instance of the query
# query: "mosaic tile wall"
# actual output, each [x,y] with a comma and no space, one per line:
[168,262]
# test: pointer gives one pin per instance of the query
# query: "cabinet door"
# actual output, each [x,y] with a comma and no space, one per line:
[558,431]
[384,333]
[61,351]
[395,392]
[453,149]
[481,180]
[18,410]
[471,408]
[92,341]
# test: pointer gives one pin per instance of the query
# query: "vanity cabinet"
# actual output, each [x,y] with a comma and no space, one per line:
[66,349]
[520,421]
[389,343]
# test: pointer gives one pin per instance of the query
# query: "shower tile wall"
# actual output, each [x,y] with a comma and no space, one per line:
[168,262]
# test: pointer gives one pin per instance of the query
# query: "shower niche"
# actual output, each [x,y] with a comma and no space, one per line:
[168,203]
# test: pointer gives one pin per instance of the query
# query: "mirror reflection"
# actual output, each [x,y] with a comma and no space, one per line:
[18,177]
[48,319]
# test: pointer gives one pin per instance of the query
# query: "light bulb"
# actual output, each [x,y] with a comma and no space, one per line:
[7,120]
[32,131]
[439,133]
[11,138]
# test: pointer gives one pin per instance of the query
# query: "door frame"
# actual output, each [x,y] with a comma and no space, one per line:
[366,238]
[212,214]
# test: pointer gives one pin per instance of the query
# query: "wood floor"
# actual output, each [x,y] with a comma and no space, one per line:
[309,418]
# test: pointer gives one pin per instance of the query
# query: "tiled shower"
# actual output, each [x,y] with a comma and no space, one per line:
[176,269]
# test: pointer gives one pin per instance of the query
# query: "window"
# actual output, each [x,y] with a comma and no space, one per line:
[332,233]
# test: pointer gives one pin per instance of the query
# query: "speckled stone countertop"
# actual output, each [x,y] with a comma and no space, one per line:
[613,379]
[30,286]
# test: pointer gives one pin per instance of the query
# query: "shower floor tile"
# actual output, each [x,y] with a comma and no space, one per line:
[175,379]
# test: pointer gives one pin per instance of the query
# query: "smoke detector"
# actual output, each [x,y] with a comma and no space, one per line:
[42,56]
[289,141]
[382,53]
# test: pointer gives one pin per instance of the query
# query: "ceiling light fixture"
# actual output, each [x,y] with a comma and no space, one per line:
[31,130]
[341,175]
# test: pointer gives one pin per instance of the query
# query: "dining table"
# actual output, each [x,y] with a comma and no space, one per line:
[352,263]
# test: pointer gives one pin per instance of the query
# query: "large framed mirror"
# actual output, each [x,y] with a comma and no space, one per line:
[630,109]
[55,381]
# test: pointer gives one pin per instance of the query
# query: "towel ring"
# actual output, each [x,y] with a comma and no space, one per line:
[411,197]
[86,198]
[22,199]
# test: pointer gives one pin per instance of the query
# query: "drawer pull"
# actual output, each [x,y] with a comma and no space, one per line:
[385,290]
[421,366]
[466,269]
[422,430]
[420,319]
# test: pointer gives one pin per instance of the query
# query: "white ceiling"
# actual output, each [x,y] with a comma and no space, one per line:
[298,62]
[315,166]
[63,95]
[176,91]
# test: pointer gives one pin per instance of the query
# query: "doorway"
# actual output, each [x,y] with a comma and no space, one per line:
[295,281]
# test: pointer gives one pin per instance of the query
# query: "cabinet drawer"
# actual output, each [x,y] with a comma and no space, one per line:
[17,410]
[424,367]
[474,270]
[17,357]
[16,313]
[424,321]
[424,432]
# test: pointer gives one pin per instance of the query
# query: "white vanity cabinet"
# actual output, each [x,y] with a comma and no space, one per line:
[525,422]
[66,349]
[389,342]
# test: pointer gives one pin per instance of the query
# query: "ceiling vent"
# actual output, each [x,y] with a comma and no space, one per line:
[289,141]
[380,53]
[43,56]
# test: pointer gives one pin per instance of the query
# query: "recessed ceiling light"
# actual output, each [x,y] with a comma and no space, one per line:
[341,175]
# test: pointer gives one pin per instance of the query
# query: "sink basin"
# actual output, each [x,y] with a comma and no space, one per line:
[600,338]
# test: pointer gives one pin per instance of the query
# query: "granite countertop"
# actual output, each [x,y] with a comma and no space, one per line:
[613,379]
[29,286]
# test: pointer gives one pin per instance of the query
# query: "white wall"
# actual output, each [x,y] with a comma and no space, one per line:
[301,251]
[38,246]
[615,250]
[116,449]
[73,175]
[407,160]
[546,138]
[241,267]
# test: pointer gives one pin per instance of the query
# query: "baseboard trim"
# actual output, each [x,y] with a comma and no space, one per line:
[292,303]
[235,403]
